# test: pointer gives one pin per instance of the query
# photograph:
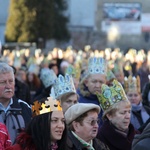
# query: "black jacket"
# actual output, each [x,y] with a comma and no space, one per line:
[74,144]
[17,117]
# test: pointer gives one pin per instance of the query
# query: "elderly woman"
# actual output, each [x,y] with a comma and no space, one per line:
[116,131]
[82,120]
[140,113]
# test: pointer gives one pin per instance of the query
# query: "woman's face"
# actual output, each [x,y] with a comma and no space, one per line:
[121,119]
[30,77]
[71,100]
[57,125]
[134,97]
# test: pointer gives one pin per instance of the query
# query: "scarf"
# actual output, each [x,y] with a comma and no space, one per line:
[54,146]
[144,115]
[85,144]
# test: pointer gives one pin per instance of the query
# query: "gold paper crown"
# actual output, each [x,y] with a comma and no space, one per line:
[49,105]
[74,71]
[111,95]
[132,84]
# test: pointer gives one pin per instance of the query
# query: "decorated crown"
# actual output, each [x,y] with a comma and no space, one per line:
[74,71]
[111,95]
[34,68]
[47,76]
[132,84]
[97,65]
[118,67]
[63,85]
[49,105]
[110,75]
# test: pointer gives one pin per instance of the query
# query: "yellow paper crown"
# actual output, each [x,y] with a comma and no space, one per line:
[49,105]
[132,84]
[111,95]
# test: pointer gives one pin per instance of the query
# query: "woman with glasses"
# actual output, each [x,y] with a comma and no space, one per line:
[82,121]
[116,131]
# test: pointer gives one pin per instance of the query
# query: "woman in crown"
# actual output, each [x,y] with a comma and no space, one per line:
[46,131]
[116,131]
[140,114]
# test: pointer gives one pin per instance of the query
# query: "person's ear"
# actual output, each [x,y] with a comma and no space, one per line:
[86,82]
[109,117]
[76,126]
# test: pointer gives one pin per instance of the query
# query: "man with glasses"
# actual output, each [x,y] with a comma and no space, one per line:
[82,120]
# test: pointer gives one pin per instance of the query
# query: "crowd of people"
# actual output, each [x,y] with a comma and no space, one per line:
[74,100]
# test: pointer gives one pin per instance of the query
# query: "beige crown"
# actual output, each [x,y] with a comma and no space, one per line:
[49,105]
[132,84]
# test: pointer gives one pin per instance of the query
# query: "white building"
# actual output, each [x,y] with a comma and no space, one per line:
[4,7]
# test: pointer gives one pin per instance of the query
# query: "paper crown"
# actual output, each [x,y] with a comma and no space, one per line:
[63,85]
[49,105]
[97,65]
[110,76]
[74,71]
[111,95]
[118,68]
[47,76]
[132,84]
[34,68]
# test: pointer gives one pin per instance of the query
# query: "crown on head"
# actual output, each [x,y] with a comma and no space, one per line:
[111,95]
[97,65]
[132,84]
[47,76]
[118,67]
[63,85]
[49,105]
[110,75]
[74,71]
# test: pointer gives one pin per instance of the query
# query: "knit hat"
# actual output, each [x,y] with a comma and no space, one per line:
[78,109]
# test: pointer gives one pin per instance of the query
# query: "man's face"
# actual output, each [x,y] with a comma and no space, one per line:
[94,82]
[7,85]
[88,130]
[71,100]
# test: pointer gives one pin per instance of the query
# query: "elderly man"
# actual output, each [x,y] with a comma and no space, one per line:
[82,120]
[92,81]
[14,113]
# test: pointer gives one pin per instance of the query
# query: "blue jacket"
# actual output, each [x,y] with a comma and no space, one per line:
[90,99]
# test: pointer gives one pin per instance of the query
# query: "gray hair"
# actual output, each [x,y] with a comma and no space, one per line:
[5,68]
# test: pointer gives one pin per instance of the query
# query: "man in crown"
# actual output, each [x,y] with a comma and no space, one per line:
[91,83]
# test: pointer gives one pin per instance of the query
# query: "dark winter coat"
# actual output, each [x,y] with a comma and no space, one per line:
[142,142]
[74,144]
[145,94]
[115,140]
[16,117]
[90,99]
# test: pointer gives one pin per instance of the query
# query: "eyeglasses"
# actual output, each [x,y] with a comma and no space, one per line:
[93,122]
